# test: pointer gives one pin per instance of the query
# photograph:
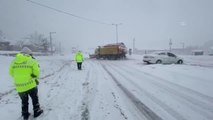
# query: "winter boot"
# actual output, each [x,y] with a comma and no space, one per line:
[38,112]
[26,116]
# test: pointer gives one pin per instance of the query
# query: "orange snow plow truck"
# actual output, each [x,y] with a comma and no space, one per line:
[111,51]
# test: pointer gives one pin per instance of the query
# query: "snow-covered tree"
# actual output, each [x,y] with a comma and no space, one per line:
[39,41]
[2,36]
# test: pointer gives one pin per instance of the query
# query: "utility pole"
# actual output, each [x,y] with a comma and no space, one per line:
[170,44]
[116,27]
[133,45]
[51,45]
[60,47]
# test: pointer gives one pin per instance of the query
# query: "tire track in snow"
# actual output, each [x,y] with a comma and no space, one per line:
[200,65]
[89,86]
[115,97]
[6,93]
[152,97]
[148,113]
[197,78]
[85,111]
[44,77]
[117,106]
[205,102]
[111,101]
[184,90]
[55,92]
[179,92]
[65,89]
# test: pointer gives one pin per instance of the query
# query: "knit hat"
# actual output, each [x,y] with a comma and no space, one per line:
[26,50]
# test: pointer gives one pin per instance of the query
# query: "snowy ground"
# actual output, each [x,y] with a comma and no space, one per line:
[116,90]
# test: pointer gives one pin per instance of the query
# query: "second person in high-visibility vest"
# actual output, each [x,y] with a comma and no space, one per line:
[79,58]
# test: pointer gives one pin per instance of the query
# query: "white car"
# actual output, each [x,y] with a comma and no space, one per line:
[162,57]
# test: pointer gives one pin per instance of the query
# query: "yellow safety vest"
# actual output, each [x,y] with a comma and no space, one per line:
[21,70]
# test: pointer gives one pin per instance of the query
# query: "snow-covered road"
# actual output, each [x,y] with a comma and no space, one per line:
[169,98]
[115,90]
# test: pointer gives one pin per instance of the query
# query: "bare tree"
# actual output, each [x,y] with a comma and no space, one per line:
[2,36]
[39,41]
[20,43]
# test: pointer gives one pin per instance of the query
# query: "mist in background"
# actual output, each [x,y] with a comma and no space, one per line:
[152,23]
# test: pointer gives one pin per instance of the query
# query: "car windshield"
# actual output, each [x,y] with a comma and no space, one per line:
[159,53]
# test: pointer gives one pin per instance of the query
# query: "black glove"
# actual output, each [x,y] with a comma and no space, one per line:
[37,82]
[33,76]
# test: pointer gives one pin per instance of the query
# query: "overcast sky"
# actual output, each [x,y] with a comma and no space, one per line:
[151,22]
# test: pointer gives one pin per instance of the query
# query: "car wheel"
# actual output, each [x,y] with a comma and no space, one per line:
[180,62]
[158,62]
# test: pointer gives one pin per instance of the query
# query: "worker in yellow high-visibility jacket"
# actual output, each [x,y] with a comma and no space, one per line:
[79,58]
[25,71]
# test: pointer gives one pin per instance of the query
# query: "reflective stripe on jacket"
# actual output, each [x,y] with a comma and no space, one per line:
[21,70]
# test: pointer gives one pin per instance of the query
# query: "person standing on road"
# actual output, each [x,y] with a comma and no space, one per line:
[79,58]
[25,71]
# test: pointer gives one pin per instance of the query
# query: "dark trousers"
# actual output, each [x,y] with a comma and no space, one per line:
[33,93]
[79,65]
